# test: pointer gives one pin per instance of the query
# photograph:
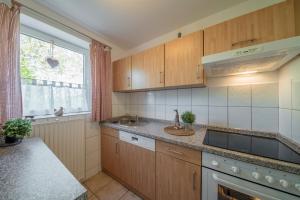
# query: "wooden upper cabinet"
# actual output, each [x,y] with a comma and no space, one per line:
[122,74]
[148,69]
[183,60]
[272,23]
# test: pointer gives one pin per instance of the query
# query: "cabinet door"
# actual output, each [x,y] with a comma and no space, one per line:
[183,60]
[272,23]
[138,168]
[122,74]
[176,179]
[148,68]
[110,154]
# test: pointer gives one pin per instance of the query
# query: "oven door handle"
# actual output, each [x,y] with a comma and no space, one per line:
[241,188]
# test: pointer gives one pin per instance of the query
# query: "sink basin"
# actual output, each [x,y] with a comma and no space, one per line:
[130,122]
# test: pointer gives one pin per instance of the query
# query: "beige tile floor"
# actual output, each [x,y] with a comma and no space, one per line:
[103,187]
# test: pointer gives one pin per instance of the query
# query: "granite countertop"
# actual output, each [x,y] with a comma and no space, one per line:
[31,171]
[155,129]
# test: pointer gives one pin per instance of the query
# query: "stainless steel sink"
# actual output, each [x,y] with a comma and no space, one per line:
[130,121]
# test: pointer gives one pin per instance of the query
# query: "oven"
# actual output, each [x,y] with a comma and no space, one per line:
[228,179]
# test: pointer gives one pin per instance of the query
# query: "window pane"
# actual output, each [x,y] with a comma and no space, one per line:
[44,87]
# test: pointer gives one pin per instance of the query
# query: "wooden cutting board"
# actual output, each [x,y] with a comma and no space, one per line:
[172,130]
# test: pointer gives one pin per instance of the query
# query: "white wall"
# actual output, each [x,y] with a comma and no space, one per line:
[247,102]
[289,100]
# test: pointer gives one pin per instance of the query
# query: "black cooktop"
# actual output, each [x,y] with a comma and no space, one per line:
[254,145]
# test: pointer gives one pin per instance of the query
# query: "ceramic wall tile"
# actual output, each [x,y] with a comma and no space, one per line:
[218,96]
[265,95]
[239,96]
[218,116]
[239,117]
[184,97]
[201,113]
[285,122]
[200,96]
[265,119]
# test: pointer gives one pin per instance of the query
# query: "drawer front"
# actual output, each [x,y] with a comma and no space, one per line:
[179,152]
[138,140]
[110,132]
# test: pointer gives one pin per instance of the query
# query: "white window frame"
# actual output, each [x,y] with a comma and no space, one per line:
[25,30]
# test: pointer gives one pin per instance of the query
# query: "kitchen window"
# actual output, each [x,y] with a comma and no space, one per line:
[54,74]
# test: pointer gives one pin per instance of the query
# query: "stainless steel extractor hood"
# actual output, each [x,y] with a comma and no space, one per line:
[258,58]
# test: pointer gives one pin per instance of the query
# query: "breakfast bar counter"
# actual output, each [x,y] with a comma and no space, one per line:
[31,171]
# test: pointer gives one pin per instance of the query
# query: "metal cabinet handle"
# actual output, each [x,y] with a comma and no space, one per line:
[244,41]
[117,148]
[194,180]
[173,151]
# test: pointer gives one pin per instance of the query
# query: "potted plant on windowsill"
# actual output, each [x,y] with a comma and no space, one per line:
[188,118]
[15,130]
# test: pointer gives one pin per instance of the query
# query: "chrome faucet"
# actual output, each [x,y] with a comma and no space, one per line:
[177,123]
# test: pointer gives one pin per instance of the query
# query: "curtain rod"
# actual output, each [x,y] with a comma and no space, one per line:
[14,2]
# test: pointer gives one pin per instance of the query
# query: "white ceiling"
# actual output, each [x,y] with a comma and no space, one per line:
[129,23]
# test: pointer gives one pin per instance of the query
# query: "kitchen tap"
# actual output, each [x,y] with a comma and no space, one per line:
[177,123]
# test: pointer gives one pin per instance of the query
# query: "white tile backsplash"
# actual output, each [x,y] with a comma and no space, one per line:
[218,106]
[201,113]
[200,96]
[239,95]
[265,119]
[160,97]
[218,96]
[170,114]
[184,97]
[296,125]
[265,95]
[160,112]
[218,116]
[285,122]
[239,117]
[171,97]
[150,98]
[296,95]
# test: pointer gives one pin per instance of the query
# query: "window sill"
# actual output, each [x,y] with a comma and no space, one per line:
[65,117]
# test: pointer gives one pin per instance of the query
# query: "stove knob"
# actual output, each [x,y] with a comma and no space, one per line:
[214,163]
[235,169]
[255,175]
[283,183]
[270,179]
[297,186]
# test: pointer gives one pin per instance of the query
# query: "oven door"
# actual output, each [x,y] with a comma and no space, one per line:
[219,186]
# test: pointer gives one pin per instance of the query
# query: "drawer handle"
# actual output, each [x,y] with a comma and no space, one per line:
[194,180]
[135,139]
[244,41]
[117,148]
[176,152]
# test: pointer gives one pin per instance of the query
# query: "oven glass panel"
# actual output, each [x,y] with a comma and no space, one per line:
[225,193]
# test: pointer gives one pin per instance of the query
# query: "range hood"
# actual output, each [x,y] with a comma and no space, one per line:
[258,58]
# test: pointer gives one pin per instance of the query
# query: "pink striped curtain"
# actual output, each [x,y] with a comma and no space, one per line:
[10,82]
[101,82]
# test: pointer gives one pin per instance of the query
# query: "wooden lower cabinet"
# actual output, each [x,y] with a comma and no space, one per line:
[177,179]
[110,154]
[138,169]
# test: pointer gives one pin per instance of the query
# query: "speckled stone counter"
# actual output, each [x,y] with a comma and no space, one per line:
[155,129]
[31,171]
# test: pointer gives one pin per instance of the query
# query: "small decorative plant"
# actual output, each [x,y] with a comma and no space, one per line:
[188,118]
[15,129]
